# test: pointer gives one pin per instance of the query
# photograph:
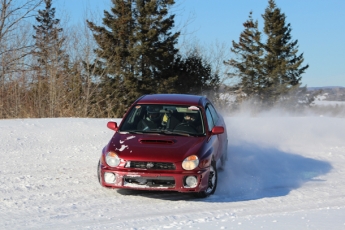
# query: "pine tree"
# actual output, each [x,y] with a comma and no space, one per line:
[136,52]
[48,39]
[247,64]
[195,75]
[282,64]
[51,59]
[156,52]
[114,64]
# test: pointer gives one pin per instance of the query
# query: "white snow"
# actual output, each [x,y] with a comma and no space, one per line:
[123,147]
[282,173]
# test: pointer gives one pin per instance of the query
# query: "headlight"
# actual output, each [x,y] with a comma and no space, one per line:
[112,159]
[190,162]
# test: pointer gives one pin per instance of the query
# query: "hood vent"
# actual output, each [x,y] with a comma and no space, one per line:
[162,142]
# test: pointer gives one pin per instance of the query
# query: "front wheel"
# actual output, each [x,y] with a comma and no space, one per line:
[99,172]
[212,182]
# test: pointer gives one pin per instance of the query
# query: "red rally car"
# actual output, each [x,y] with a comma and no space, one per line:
[166,142]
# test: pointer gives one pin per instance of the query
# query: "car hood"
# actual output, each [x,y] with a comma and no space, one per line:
[153,147]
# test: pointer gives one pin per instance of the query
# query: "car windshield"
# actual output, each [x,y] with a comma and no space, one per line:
[164,119]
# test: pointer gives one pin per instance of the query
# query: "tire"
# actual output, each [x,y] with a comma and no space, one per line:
[99,172]
[212,182]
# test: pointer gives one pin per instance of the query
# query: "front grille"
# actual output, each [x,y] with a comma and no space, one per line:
[150,165]
[149,182]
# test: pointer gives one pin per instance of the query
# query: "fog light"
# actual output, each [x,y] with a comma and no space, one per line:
[191,181]
[109,178]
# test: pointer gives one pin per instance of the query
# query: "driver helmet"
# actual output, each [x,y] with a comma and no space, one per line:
[189,117]
[153,112]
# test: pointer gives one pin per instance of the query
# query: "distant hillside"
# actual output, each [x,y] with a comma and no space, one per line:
[330,93]
[325,87]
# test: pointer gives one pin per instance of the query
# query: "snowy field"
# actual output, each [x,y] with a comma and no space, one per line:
[282,173]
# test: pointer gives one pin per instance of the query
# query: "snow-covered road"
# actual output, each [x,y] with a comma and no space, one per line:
[282,173]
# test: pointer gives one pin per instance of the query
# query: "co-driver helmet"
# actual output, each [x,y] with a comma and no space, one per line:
[153,112]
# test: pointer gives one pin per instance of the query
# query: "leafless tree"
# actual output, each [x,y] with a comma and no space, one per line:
[14,47]
[13,15]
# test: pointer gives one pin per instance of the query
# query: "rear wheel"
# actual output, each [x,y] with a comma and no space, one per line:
[212,182]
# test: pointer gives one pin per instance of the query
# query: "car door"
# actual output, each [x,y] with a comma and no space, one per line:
[214,140]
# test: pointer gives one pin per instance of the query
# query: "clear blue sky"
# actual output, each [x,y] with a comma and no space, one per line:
[318,25]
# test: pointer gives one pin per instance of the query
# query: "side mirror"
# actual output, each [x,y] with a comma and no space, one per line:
[112,125]
[217,130]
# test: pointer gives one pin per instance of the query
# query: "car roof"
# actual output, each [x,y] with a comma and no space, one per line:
[178,99]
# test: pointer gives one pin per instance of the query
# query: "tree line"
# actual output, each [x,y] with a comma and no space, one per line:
[99,70]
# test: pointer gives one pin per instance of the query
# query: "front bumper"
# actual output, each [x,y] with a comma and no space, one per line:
[155,180]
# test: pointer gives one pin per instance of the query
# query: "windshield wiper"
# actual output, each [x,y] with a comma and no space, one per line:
[156,131]
[166,132]
[131,132]
[159,132]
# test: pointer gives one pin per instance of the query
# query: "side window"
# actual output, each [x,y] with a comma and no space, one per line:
[214,113]
[133,116]
[132,119]
[209,119]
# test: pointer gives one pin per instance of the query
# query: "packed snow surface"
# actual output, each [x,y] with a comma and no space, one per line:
[282,173]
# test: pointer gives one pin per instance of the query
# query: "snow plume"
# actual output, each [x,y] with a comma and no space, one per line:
[253,108]
[299,101]
[275,151]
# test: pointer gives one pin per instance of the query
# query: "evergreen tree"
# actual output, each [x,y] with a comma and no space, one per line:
[282,64]
[195,75]
[156,51]
[114,64]
[51,59]
[136,52]
[247,64]
[48,45]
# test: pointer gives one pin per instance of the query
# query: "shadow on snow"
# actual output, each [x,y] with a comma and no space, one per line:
[253,172]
